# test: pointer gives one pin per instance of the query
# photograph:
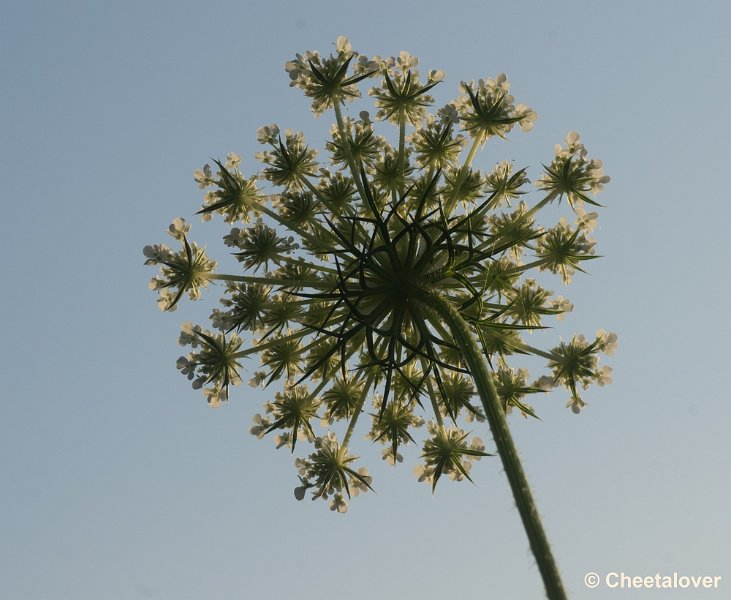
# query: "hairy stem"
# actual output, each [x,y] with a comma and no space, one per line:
[504,442]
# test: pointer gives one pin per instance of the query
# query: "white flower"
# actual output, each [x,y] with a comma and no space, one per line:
[387,455]
[215,396]
[423,474]
[406,61]
[529,116]
[576,404]
[259,427]
[449,113]
[597,172]
[188,336]
[435,75]
[586,221]
[356,485]
[342,45]
[604,377]
[257,379]
[607,342]
[165,300]
[233,160]
[339,504]
[267,134]
[280,441]
[203,177]
[178,228]
[545,382]
[186,367]
[562,304]
[456,474]
[156,253]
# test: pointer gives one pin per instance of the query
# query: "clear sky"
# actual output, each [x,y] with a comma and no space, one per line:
[119,482]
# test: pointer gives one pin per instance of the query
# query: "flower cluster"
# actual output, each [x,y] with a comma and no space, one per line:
[447,452]
[187,270]
[572,174]
[487,109]
[214,365]
[359,270]
[328,471]
[577,363]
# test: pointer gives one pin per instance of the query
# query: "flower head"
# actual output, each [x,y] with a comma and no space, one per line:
[487,109]
[184,271]
[572,174]
[357,272]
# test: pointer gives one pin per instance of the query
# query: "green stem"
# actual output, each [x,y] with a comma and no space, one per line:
[434,405]
[270,280]
[270,343]
[345,137]
[531,350]
[316,193]
[401,148]
[473,150]
[528,266]
[452,201]
[358,410]
[541,204]
[313,239]
[504,442]
[297,262]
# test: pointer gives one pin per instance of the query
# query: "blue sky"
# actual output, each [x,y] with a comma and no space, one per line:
[119,482]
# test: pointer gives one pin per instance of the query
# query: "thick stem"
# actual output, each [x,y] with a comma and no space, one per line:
[504,441]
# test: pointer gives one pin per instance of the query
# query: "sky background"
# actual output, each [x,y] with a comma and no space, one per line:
[119,482]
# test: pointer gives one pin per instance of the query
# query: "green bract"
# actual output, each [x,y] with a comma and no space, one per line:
[389,276]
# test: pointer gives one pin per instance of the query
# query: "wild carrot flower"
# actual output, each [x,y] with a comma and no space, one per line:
[384,278]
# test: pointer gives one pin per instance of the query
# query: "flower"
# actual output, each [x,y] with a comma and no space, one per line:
[260,426]
[268,134]
[562,249]
[401,96]
[215,363]
[576,404]
[373,283]
[561,305]
[576,363]
[606,342]
[329,471]
[326,80]
[448,452]
[185,271]
[289,162]
[487,109]
[572,175]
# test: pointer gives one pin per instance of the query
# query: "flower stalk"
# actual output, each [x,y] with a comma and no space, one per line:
[504,441]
